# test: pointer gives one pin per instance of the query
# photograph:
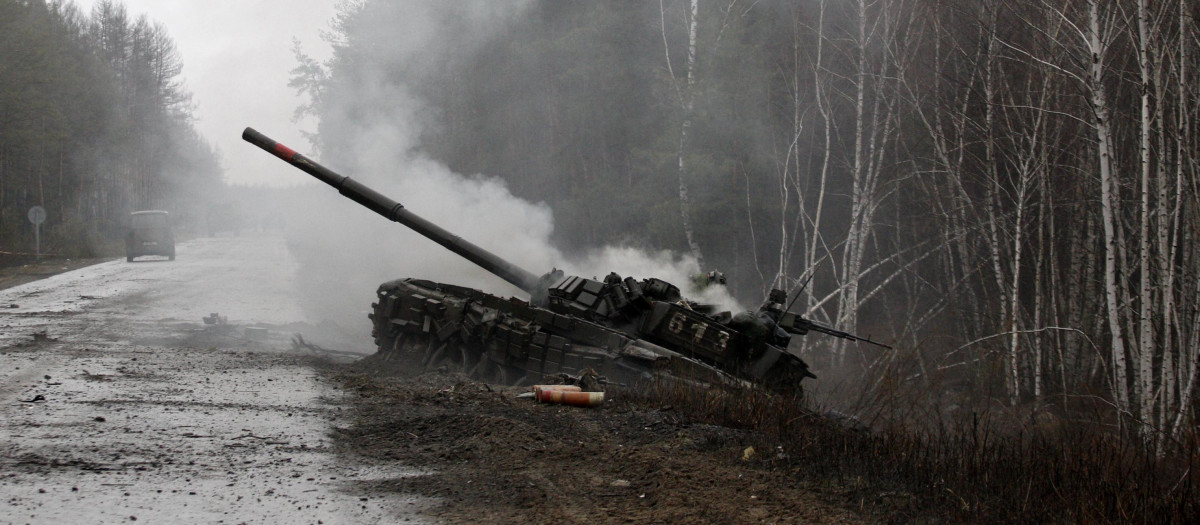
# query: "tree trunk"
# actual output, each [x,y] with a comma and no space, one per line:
[1109,204]
[689,101]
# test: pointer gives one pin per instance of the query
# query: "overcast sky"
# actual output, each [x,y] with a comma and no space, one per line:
[236,57]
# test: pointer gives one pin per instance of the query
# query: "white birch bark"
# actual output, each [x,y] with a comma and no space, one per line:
[685,203]
[1191,369]
[819,91]
[1163,399]
[992,164]
[1097,45]
[1183,376]
[1144,349]
[872,140]
[847,305]
[687,103]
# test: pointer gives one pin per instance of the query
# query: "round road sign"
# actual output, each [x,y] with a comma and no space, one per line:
[37,215]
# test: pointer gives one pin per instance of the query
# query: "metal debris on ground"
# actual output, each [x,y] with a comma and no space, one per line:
[299,344]
[587,380]
[570,395]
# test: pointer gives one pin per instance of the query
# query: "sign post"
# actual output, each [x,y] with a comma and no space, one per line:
[37,215]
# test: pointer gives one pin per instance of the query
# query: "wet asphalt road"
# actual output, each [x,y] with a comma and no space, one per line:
[119,404]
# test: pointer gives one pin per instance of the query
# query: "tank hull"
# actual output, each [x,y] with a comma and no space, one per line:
[509,341]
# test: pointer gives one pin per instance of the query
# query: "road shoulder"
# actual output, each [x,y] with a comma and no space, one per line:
[15,271]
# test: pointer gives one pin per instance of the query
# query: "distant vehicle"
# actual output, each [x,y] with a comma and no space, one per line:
[149,234]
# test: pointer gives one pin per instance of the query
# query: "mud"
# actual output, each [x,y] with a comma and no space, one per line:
[495,458]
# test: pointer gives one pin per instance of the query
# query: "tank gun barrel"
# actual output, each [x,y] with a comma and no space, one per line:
[395,211]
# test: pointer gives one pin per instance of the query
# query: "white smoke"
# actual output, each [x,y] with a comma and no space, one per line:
[345,251]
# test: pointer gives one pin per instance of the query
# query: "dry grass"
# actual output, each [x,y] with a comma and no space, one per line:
[976,466]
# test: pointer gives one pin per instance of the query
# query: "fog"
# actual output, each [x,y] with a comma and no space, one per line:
[236,58]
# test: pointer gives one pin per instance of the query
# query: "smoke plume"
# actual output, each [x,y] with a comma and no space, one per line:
[371,128]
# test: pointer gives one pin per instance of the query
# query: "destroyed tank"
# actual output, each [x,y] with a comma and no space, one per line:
[617,329]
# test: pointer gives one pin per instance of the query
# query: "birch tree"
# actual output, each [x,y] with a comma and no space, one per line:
[686,90]
[1183,381]
[874,125]
[1097,36]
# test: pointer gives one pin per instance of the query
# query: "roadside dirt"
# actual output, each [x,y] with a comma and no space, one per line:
[491,457]
[16,270]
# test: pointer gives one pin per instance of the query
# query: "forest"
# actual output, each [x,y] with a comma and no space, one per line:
[999,187]
[94,124]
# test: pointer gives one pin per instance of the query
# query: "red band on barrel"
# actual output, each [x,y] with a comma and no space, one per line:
[284,152]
